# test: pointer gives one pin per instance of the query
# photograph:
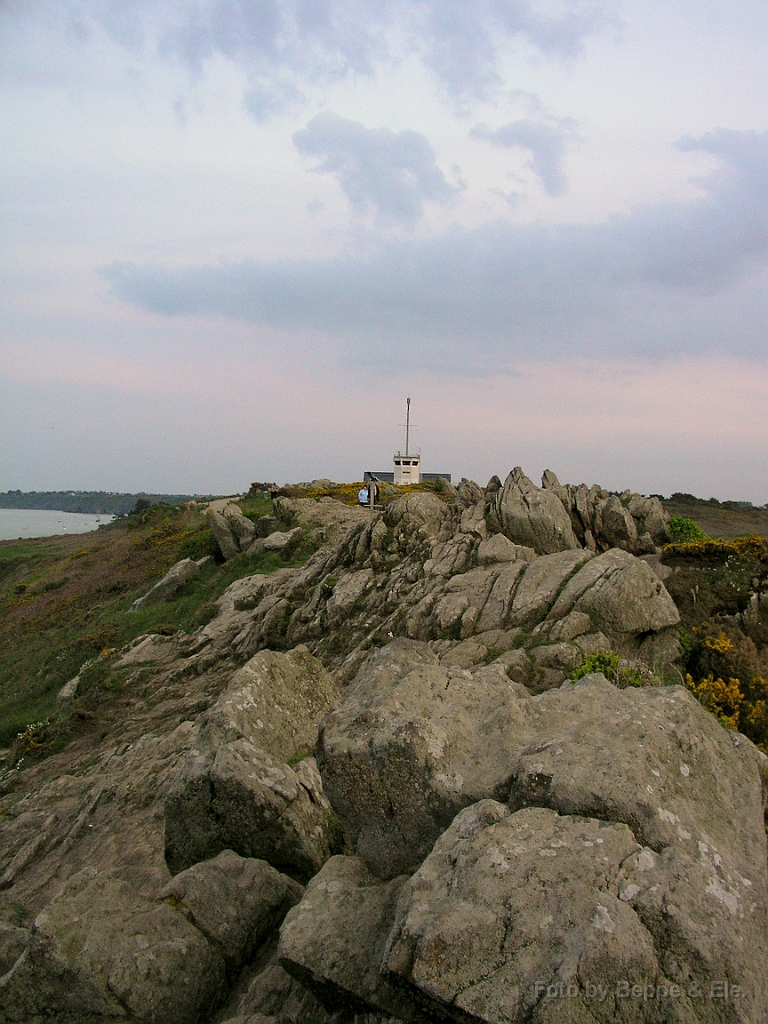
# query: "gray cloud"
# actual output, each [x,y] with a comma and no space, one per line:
[635,283]
[545,140]
[285,44]
[376,168]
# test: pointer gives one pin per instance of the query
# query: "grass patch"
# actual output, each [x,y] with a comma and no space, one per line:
[63,604]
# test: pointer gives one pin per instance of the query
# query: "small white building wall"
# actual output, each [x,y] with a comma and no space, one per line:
[407,469]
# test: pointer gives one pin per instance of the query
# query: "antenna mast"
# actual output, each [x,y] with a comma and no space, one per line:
[407,423]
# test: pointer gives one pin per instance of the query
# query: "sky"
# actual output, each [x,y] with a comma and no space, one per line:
[235,235]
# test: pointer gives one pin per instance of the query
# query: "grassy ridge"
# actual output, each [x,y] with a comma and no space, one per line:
[64,600]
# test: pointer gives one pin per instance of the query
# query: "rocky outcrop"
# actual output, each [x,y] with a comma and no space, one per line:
[517,849]
[531,516]
[410,747]
[601,520]
[224,534]
[630,850]
[97,951]
[178,575]
[235,790]
[334,940]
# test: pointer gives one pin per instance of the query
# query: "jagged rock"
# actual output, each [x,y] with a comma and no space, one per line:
[533,517]
[418,511]
[507,905]
[242,528]
[68,692]
[276,541]
[285,508]
[238,797]
[347,592]
[410,746]
[499,548]
[275,701]
[620,594]
[178,575]
[691,793]
[333,940]
[98,952]
[468,493]
[540,584]
[244,593]
[613,526]
[149,649]
[224,534]
[231,793]
[234,901]
[570,626]
[473,520]
[274,997]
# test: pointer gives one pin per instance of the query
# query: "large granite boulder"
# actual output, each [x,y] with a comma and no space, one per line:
[620,593]
[532,516]
[412,744]
[224,533]
[333,942]
[235,791]
[628,857]
[97,951]
[243,529]
[516,917]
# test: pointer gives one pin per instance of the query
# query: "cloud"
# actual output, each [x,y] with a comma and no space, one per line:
[545,140]
[376,168]
[643,283]
[285,45]
[462,41]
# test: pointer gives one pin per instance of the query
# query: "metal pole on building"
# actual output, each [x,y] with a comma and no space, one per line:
[407,423]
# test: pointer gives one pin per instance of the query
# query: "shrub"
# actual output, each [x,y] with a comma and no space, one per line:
[684,531]
[611,667]
[721,699]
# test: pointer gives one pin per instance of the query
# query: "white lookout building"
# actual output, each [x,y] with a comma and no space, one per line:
[407,464]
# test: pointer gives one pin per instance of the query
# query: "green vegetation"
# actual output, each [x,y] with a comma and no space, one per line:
[684,531]
[611,667]
[726,519]
[719,588]
[65,601]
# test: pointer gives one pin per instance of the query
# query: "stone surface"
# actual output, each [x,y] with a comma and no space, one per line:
[178,575]
[235,796]
[234,901]
[411,745]
[276,541]
[499,548]
[97,952]
[234,791]
[333,940]
[507,905]
[531,516]
[275,700]
[224,534]
[621,595]
[243,529]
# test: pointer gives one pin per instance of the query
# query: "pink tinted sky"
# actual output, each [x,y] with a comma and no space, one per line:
[233,245]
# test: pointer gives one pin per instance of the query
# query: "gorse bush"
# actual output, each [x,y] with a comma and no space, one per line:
[684,531]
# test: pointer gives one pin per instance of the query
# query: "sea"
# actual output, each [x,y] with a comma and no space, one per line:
[23,523]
